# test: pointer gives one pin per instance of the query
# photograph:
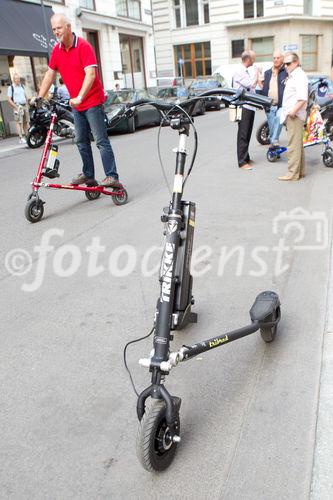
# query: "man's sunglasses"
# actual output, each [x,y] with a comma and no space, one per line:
[288,63]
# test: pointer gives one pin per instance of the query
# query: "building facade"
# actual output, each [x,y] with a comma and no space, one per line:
[202,35]
[119,30]
[122,35]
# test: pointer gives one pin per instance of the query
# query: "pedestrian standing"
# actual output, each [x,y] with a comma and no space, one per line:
[62,91]
[17,98]
[293,113]
[75,60]
[243,80]
[273,87]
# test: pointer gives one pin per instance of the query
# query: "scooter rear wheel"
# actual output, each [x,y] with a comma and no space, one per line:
[92,195]
[154,446]
[120,199]
[34,210]
[268,333]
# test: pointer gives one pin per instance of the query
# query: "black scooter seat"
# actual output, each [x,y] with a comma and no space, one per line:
[266,303]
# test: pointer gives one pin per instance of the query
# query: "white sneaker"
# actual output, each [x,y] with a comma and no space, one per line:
[22,140]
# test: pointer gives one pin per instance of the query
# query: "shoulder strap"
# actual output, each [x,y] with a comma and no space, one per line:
[12,91]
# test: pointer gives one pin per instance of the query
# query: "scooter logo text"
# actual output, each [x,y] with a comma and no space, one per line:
[167,272]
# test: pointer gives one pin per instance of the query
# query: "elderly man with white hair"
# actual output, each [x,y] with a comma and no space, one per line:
[75,60]
[273,86]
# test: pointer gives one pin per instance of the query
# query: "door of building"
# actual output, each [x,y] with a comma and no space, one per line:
[92,37]
[132,59]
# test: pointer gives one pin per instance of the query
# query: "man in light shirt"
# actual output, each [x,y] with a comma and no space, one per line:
[243,80]
[294,103]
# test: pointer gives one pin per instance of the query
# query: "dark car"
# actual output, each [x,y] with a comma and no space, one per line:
[143,115]
[179,94]
[201,85]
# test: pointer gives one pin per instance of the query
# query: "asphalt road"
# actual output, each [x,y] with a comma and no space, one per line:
[249,410]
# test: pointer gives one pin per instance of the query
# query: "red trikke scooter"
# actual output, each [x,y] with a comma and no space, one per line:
[49,166]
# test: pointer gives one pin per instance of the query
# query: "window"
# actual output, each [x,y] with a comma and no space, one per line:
[309,52]
[196,57]
[129,8]
[205,6]
[307,8]
[263,47]
[190,12]
[88,4]
[253,8]
[237,48]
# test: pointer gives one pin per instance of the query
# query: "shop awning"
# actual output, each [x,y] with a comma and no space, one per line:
[22,28]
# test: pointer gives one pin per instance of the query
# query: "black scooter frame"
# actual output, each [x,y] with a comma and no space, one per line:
[175,301]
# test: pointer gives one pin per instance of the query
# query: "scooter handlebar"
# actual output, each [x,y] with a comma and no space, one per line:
[229,96]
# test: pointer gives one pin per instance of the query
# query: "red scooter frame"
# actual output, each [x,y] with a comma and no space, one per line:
[34,209]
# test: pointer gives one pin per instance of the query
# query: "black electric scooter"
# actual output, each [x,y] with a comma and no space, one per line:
[159,422]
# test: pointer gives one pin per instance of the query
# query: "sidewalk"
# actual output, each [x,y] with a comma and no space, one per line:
[11,144]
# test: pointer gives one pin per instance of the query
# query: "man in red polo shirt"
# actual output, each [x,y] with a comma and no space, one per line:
[75,60]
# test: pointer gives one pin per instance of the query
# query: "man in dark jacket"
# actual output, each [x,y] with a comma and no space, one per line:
[273,86]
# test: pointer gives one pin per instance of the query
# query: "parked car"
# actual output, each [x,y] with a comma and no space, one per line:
[143,115]
[201,85]
[179,94]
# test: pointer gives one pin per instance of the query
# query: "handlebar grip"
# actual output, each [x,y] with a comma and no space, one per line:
[258,99]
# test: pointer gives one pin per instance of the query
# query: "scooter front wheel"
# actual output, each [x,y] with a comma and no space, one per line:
[120,199]
[271,156]
[34,210]
[154,446]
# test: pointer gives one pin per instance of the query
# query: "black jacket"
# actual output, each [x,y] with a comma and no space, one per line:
[282,76]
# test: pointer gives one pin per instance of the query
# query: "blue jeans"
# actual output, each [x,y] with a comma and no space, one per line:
[92,119]
[274,125]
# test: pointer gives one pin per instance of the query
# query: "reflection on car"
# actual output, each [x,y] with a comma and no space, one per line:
[179,94]
[143,115]
[201,85]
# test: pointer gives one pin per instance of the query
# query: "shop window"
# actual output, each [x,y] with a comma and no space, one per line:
[253,8]
[263,47]
[310,52]
[132,59]
[237,48]
[129,8]
[196,57]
